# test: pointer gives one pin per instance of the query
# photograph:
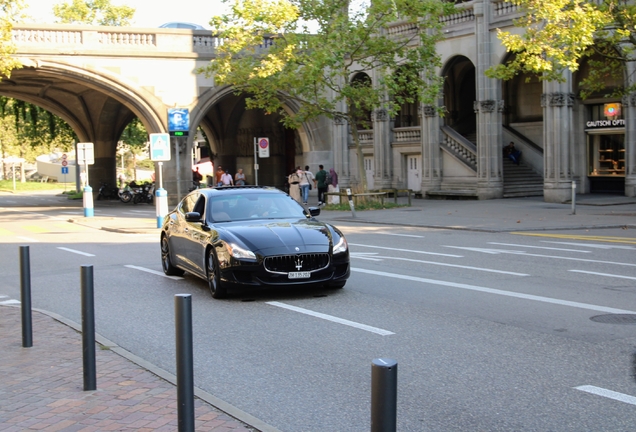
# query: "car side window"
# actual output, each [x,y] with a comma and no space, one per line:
[199,206]
[188,203]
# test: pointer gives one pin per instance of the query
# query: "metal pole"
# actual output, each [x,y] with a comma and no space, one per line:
[88,328]
[255,162]
[351,205]
[25,297]
[185,374]
[177,142]
[573,197]
[383,395]
[161,198]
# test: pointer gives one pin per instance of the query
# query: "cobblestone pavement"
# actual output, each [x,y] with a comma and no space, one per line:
[42,386]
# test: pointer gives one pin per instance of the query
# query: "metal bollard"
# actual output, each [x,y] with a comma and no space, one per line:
[573,197]
[383,395]
[88,328]
[87,199]
[351,205]
[25,297]
[185,368]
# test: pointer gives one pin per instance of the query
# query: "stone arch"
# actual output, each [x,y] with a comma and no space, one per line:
[459,94]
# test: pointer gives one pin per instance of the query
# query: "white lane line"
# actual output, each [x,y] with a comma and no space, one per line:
[29,239]
[155,272]
[592,245]
[539,247]
[399,235]
[75,251]
[331,318]
[406,250]
[446,265]
[9,302]
[599,391]
[603,274]
[524,253]
[498,292]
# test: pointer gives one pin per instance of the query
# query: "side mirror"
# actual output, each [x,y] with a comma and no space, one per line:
[193,217]
[314,211]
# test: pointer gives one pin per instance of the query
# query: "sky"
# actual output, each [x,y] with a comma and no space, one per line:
[149,13]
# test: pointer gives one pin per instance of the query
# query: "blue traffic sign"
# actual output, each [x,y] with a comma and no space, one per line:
[159,147]
[65,170]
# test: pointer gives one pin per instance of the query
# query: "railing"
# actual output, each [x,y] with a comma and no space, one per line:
[463,15]
[502,8]
[459,146]
[365,136]
[402,28]
[407,134]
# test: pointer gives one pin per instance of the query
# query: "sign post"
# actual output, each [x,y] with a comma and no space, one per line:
[86,157]
[262,145]
[160,152]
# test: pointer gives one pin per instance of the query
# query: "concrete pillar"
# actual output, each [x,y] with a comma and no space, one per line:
[431,153]
[489,108]
[629,105]
[382,149]
[557,102]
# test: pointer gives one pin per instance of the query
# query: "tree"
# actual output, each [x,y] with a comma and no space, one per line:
[270,54]
[560,34]
[10,12]
[93,12]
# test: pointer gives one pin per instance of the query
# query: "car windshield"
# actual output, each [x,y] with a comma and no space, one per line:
[238,207]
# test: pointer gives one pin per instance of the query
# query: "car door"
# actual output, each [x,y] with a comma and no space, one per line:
[197,234]
[180,231]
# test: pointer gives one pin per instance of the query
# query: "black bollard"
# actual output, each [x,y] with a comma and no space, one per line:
[185,368]
[88,328]
[25,297]
[383,395]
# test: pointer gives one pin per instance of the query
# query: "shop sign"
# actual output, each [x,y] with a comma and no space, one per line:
[600,124]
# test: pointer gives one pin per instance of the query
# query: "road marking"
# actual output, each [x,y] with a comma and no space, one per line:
[524,253]
[155,272]
[29,239]
[621,397]
[539,247]
[370,256]
[603,274]
[444,264]
[9,302]
[498,292]
[5,232]
[581,237]
[75,251]
[376,330]
[35,229]
[406,250]
[597,246]
[399,235]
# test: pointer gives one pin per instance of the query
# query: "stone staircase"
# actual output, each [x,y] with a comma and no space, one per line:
[520,180]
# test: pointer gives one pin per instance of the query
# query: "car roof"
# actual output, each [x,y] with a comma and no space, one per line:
[233,190]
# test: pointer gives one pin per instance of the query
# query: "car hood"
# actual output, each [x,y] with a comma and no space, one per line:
[282,237]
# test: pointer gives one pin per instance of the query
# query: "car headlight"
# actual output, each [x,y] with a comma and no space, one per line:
[238,252]
[341,246]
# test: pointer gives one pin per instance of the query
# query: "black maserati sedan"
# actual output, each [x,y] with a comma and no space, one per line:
[252,236]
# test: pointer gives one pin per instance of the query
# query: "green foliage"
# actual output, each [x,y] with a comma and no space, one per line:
[270,54]
[560,34]
[10,12]
[93,12]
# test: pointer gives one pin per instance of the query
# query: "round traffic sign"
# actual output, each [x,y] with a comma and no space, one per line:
[64,162]
[263,143]
[64,157]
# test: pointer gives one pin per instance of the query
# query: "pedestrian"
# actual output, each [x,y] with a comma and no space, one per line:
[332,187]
[512,153]
[219,174]
[239,178]
[294,184]
[226,179]
[306,179]
[321,177]
[197,177]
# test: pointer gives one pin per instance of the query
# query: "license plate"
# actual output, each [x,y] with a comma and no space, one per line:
[299,275]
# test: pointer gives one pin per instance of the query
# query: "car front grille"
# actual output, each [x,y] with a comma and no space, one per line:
[296,263]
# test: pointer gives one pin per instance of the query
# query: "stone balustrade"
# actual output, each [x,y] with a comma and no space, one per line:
[407,134]
[460,149]
[365,136]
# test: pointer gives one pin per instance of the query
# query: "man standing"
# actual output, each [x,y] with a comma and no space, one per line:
[321,176]
[306,178]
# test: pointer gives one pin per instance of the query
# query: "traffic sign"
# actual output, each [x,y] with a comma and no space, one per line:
[85,154]
[64,169]
[263,147]
[159,147]
[64,162]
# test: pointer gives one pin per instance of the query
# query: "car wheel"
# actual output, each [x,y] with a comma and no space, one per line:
[166,262]
[214,276]
[337,285]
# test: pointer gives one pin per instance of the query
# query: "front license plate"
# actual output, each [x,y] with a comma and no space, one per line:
[299,275]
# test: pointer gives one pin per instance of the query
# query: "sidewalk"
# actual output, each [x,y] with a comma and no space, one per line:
[42,386]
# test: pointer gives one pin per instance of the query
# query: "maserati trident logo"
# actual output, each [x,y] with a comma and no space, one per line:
[299,263]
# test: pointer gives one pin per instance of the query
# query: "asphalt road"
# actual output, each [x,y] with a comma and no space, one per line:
[491,331]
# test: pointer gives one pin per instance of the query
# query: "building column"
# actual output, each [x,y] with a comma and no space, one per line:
[382,149]
[431,154]
[557,102]
[489,108]
[340,149]
[629,103]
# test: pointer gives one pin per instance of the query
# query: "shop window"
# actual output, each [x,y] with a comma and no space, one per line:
[606,140]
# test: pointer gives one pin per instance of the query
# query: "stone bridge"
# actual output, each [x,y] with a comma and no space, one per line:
[99,78]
